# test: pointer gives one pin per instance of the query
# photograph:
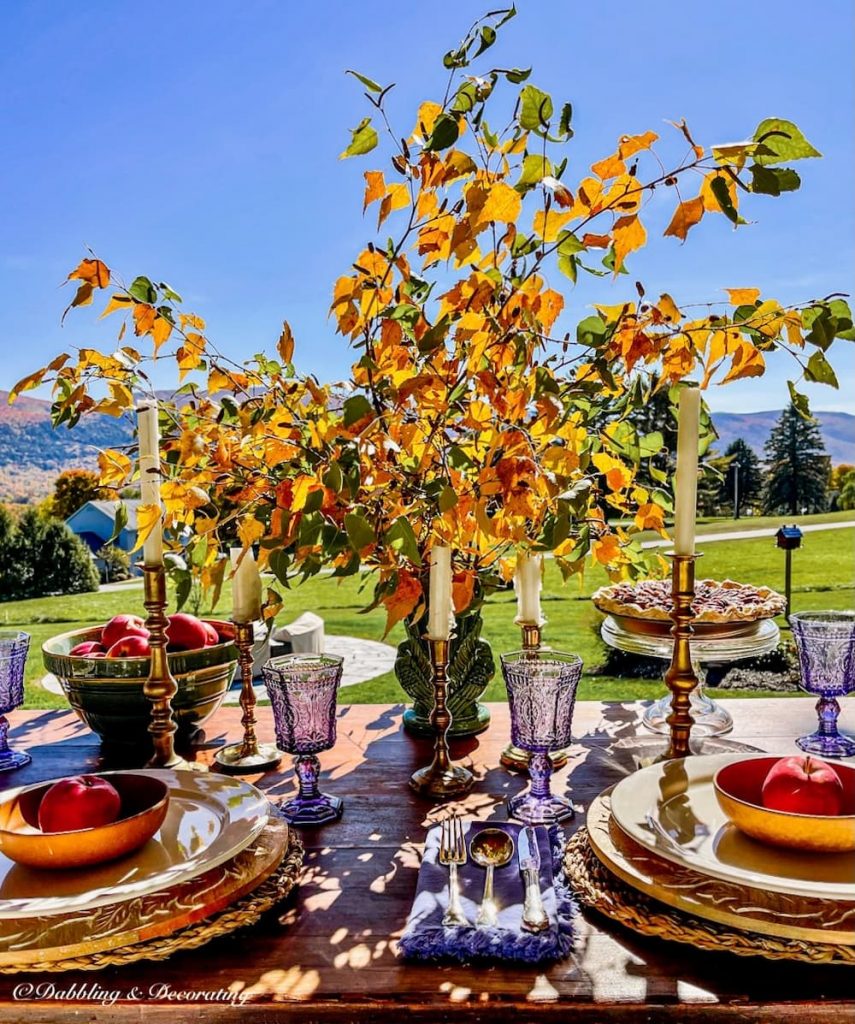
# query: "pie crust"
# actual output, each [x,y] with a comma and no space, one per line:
[715,601]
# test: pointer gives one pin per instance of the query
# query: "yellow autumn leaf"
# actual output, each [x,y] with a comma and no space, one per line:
[144,318]
[668,309]
[116,302]
[428,113]
[92,272]
[189,355]
[397,197]
[503,203]
[285,345]
[114,467]
[250,531]
[606,550]
[685,216]
[375,188]
[628,235]
[148,516]
[743,296]
[160,331]
[610,167]
[631,144]
[547,224]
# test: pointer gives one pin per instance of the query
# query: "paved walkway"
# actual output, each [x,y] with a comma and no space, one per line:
[765,531]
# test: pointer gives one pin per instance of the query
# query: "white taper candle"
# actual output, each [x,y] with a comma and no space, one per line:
[439,599]
[148,434]
[527,583]
[246,587]
[686,478]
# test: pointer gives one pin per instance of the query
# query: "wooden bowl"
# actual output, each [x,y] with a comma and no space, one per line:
[145,800]
[107,693]
[738,791]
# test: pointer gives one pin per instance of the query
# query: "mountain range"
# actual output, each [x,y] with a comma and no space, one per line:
[32,453]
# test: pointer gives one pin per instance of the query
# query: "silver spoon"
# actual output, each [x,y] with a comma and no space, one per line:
[491,848]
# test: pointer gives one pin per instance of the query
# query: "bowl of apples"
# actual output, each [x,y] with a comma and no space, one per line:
[798,802]
[82,821]
[103,669]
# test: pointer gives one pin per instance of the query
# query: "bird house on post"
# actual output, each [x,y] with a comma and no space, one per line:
[788,538]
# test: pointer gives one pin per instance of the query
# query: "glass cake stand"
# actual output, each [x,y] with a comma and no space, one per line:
[708,648]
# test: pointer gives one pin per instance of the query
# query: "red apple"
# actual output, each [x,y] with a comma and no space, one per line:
[84,801]
[186,632]
[803,785]
[213,637]
[88,647]
[122,625]
[130,647]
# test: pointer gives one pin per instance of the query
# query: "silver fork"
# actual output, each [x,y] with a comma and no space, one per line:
[452,851]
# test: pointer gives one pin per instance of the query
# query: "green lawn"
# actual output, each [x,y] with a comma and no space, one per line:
[822,578]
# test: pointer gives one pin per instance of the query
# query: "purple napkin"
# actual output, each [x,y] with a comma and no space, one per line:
[425,937]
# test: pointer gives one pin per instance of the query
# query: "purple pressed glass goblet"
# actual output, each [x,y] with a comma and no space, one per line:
[13,657]
[826,645]
[541,694]
[303,689]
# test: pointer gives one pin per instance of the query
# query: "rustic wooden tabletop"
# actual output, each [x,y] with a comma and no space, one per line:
[329,953]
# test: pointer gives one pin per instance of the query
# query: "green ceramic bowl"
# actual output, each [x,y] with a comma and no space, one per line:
[107,693]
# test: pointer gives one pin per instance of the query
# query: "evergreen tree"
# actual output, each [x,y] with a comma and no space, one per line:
[46,558]
[798,467]
[743,479]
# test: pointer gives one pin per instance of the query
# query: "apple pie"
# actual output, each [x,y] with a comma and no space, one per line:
[715,601]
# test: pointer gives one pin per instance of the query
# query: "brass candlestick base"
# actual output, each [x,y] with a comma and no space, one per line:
[248,757]
[513,758]
[441,779]
[680,677]
[160,687]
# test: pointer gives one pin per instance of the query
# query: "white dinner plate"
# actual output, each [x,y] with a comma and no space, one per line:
[210,819]
[671,810]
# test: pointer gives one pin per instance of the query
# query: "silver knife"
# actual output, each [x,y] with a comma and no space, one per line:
[534,916]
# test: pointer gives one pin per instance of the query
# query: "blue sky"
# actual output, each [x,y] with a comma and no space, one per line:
[198,142]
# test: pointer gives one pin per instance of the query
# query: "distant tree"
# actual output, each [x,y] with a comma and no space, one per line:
[8,554]
[840,471]
[743,479]
[48,559]
[73,488]
[798,466]
[115,563]
[846,497]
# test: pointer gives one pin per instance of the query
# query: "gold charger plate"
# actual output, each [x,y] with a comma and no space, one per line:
[210,819]
[595,886]
[670,809]
[728,903]
[158,924]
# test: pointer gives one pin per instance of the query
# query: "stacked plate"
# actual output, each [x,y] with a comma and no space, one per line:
[217,843]
[662,832]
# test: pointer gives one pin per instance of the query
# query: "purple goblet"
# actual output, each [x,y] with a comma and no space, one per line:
[826,645]
[13,657]
[303,689]
[541,693]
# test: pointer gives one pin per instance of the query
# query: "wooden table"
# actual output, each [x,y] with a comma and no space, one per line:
[330,955]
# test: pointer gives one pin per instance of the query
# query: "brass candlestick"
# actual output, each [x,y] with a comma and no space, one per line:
[440,779]
[681,678]
[160,687]
[515,758]
[249,756]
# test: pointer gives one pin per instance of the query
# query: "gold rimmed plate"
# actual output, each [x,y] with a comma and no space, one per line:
[671,810]
[210,819]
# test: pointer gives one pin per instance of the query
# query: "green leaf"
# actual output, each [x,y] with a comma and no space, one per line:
[278,561]
[465,98]
[141,288]
[569,244]
[359,531]
[819,369]
[199,552]
[435,336]
[782,140]
[564,120]
[355,408]
[488,37]
[334,478]
[169,293]
[369,83]
[843,315]
[773,181]
[822,326]
[535,109]
[363,139]
[400,536]
[516,75]
[609,262]
[719,189]
[444,134]
[535,167]
[569,267]
[590,331]
[120,521]
[183,580]
[447,498]
[651,444]
[799,400]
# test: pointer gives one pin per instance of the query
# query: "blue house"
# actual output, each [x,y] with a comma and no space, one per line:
[94,523]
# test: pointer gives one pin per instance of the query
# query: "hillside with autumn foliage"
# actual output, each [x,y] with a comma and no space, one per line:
[33,453]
